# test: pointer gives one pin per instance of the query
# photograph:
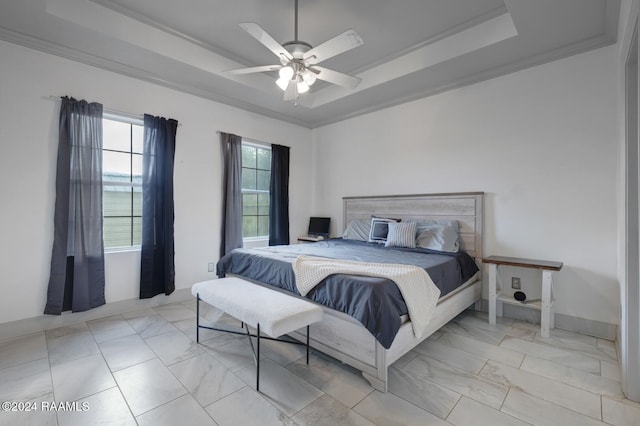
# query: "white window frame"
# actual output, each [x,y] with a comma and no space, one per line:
[128,119]
[259,240]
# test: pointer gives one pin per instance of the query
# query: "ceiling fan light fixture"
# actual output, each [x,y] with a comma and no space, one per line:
[309,77]
[286,72]
[283,83]
[302,86]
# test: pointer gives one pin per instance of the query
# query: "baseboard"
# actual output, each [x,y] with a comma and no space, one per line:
[585,326]
[10,330]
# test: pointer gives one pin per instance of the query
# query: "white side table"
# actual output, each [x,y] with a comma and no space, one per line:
[496,298]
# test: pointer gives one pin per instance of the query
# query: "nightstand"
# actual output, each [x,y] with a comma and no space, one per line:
[496,299]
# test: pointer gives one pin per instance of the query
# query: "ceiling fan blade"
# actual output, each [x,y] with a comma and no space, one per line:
[251,70]
[261,35]
[330,48]
[291,93]
[336,77]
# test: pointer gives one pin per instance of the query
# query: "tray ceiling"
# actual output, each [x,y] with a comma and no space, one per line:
[412,48]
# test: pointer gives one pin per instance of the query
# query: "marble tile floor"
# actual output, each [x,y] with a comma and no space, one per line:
[145,368]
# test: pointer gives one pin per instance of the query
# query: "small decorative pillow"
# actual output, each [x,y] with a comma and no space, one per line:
[401,234]
[357,229]
[380,228]
[440,236]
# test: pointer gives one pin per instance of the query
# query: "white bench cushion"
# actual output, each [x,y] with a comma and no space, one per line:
[276,312]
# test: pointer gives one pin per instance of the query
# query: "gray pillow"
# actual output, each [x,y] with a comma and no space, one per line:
[357,229]
[439,235]
[401,234]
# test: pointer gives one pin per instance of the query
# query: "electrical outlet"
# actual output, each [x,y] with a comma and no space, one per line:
[211,266]
[515,283]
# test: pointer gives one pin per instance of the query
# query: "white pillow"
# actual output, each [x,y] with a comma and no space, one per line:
[401,234]
[380,228]
[440,236]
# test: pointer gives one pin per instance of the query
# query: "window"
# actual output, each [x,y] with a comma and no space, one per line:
[256,175]
[122,140]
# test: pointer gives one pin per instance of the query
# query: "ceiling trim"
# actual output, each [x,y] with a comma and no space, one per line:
[573,49]
[129,71]
[483,34]
[132,14]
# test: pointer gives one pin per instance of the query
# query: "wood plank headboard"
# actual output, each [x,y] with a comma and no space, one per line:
[465,207]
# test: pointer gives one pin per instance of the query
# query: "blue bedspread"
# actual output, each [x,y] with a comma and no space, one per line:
[375,302]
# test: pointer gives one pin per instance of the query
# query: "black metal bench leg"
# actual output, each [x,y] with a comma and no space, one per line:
[198,318]
[258,360]
[307,345]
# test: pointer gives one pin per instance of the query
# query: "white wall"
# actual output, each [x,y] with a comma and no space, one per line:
[28,146]
[542,144]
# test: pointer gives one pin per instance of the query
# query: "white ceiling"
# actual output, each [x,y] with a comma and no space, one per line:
[412,48]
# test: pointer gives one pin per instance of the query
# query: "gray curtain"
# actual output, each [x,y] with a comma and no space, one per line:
[279,196]
[231,193]
[157,266]
[76,280]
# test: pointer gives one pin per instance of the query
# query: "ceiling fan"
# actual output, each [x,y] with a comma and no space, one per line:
[298,68]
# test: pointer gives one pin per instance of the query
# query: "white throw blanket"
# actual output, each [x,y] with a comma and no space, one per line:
[418,290]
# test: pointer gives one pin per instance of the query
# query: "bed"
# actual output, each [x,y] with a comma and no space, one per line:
[365,323]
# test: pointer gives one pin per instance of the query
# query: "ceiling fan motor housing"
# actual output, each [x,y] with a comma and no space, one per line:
[297,48]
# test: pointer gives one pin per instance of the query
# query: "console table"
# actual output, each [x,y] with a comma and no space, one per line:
[496,298]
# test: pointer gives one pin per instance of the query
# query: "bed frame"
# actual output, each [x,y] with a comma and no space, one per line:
[347,340]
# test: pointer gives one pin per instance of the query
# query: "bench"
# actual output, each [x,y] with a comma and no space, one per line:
[268,311]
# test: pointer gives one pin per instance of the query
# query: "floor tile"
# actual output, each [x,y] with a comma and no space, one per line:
[489,336]
[550,390]
[26,382]
[66,330]
[247,407]
[35,416]
[500,327]
[536,411]
[563,356]
[610,370]
[232,351]
[452,356]
[482,349]
[405,359]
[478,388]
[585,345]
[620,412]
[283,353]
[109,328]
[421,392]
[23,349]
[339,381]
[81,377]
[206,378]
[389,410]
[188,328]
[182,411]
[608,347]
[175,312]
[126,351]
[578,378]
[173,347]
[74,345]
[150,325]
[326,411]
[280,387]
[472,413]
[148,385]
[106,408]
